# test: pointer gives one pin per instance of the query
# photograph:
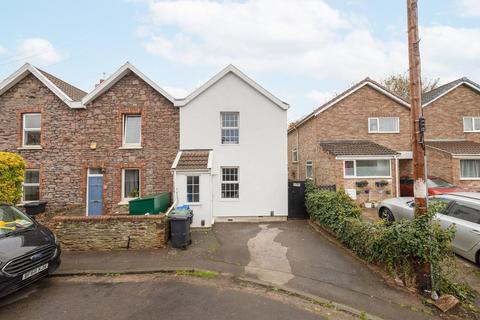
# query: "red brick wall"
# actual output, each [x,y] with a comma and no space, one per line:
[445,116]
[67,134]
[348,120]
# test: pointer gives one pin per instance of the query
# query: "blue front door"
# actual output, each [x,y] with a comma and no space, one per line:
[95,195]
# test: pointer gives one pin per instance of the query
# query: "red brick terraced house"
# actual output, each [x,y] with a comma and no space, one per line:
[452,114]
[358,141]
[90,151]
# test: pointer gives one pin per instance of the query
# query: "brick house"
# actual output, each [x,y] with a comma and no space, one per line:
[93,151]
[359,141]
[452,112]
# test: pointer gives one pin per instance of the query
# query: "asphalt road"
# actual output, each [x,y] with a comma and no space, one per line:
[150,297]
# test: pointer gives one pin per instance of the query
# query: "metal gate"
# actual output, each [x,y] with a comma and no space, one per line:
[296,200]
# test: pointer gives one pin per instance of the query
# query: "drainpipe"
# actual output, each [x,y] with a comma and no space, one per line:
[298,155]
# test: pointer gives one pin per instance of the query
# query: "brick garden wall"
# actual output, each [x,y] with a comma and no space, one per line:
[80,233]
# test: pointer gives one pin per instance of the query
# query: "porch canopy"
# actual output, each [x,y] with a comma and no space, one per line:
[364,148]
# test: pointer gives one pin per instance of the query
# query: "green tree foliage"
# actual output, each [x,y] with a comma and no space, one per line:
[12,172]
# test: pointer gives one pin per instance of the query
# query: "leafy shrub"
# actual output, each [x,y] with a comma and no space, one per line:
[12,171]
[395,246]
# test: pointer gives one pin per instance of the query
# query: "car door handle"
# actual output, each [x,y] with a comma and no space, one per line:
[475,231]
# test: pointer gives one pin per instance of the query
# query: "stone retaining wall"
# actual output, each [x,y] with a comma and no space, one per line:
[80,233]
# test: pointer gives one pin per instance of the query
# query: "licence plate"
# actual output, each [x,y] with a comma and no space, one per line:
[34,271]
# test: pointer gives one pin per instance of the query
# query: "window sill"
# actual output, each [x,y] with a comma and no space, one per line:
[130,147]
[230,199]
[383,132]
[30,148]
[376,177]
[469,179]
[124,202]
[193,204]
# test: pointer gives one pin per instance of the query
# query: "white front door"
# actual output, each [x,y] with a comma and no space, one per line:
[194,189]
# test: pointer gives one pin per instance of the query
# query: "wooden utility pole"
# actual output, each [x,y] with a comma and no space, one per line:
[418,128]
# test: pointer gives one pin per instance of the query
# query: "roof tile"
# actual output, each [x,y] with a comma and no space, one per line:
[458,147]
[193,159]
[356,148]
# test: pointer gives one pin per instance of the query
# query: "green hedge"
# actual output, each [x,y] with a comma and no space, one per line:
[392,245]
[12,172]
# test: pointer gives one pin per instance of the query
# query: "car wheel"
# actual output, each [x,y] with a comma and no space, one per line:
[386,214]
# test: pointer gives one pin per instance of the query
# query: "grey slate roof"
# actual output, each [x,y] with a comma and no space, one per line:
[435,93]
[193,160]
[73,92]
[458,147]
[356,148]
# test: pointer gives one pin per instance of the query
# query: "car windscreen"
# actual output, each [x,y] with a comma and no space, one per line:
[12,220]
[439,183]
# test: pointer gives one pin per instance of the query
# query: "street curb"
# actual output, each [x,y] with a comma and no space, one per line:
[283,289]
[309,297]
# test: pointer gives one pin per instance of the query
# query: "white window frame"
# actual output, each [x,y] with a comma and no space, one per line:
[192,193]
[460,173]
[397,120]
[124,198]
[124,130]
[25,130]
[31,185]
[295,155]
[366,177]
[309,163]
[229,128]
[473,124]
[237,182]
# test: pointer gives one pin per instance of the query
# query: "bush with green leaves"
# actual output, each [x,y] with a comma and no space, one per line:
[395,246]
[12,172]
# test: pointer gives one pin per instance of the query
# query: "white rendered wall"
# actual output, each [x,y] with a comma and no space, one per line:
[261,154]
[201,210]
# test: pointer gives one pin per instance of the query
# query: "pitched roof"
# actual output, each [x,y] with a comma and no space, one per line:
[356,148]
[231,69]
[455,147]
[192,160]
[72,91]
[115,77]
[434,94]
[56,85]
[367,81]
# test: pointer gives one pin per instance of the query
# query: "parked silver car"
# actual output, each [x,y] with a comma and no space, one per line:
[462,211]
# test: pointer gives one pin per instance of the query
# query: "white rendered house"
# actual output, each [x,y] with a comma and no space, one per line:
[232,163]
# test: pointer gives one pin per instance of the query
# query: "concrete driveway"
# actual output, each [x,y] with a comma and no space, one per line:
[293,254]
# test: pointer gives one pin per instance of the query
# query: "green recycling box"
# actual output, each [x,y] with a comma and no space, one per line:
[151,204]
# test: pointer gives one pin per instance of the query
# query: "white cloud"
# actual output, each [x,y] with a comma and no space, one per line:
[176,92]
[449,52]
[469,7]
[320,97]
[298,36]
[39,51]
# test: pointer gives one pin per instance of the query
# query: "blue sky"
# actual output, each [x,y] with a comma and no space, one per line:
[303,51]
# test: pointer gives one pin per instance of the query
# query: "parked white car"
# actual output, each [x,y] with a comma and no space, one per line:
[462,211]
